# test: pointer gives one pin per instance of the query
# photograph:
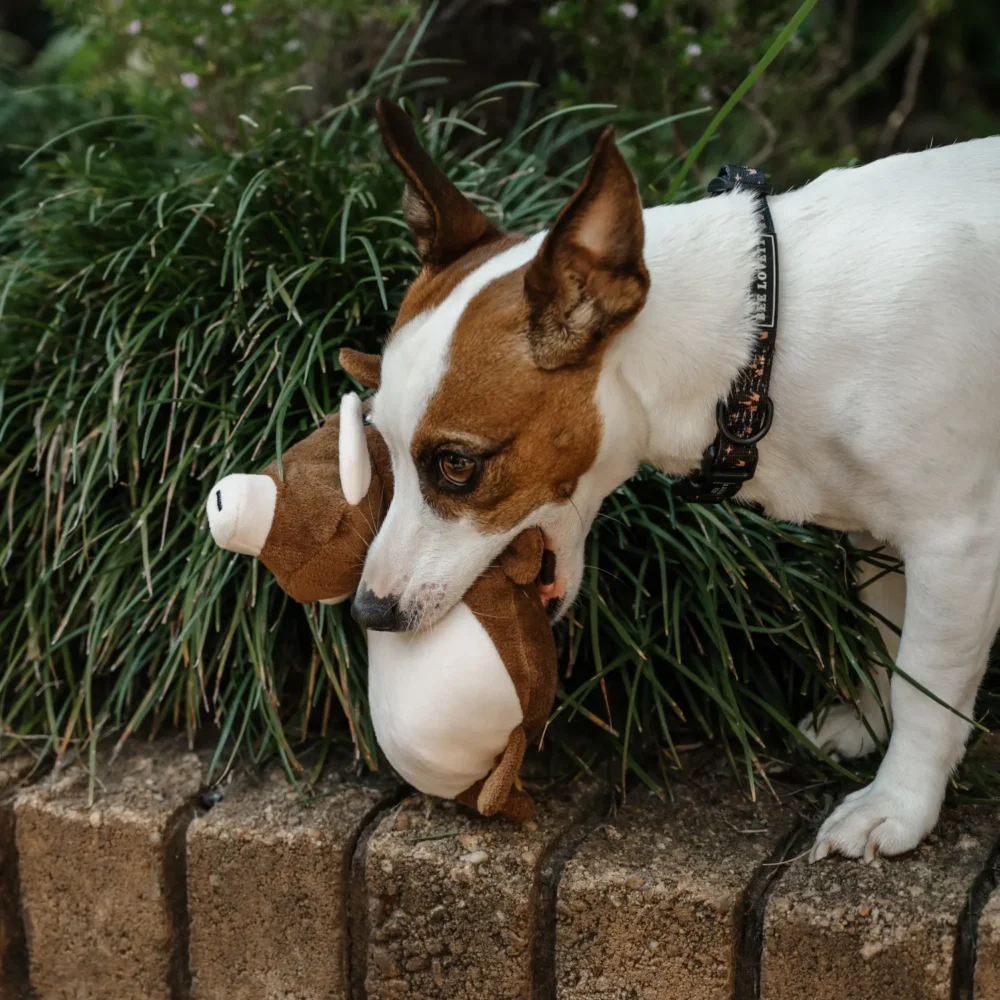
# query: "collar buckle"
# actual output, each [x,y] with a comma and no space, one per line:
[729,176]
[713,485]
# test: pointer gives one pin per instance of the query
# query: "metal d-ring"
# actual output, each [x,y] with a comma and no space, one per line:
[720,420]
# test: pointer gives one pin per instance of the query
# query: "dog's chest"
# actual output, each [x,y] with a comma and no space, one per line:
[442,703]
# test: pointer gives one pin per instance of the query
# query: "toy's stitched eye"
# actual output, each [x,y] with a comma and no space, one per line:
[366,418]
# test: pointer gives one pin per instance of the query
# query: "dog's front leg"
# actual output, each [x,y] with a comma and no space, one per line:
[952,614]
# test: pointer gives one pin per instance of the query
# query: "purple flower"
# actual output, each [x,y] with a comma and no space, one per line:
[134,27]
[227,9]
[190,80]
[628,10]
[693,50]
[199,40]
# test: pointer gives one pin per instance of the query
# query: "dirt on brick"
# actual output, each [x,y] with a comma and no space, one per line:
[96,886]
[357,892]
[268,880]
[888,928]
[451,898]
[652,899]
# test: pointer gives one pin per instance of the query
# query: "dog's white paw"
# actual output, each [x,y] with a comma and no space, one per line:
[875,820]
[842,731]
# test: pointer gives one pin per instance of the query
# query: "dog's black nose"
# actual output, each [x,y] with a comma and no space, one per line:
[380,614]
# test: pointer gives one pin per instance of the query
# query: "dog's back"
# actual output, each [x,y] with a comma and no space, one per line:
[889,343]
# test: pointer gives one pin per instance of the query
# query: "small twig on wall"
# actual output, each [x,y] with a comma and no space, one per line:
[902,110]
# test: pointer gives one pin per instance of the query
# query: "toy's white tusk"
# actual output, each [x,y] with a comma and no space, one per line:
[355,462]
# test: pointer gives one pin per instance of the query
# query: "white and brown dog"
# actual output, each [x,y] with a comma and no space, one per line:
[526,378]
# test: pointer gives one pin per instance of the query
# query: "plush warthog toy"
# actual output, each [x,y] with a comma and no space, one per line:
[454,707]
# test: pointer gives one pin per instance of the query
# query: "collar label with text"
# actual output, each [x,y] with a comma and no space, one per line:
[765,292]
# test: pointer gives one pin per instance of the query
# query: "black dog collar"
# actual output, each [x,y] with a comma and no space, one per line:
[745,417]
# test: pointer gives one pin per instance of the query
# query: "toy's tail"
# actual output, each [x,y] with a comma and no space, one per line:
[501,783]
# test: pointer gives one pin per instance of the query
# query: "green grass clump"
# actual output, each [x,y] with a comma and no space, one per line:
[171,311]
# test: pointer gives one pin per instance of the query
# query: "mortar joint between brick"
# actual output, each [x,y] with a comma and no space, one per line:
[356,924]
[15,976]
[545,895]
[748,932]
[175,880]
[963,966]
[14,967]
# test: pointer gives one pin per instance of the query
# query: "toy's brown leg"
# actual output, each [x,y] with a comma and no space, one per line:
[519,807]
[501,780]
[470,796]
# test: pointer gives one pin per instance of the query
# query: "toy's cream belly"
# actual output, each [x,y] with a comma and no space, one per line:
[442,702]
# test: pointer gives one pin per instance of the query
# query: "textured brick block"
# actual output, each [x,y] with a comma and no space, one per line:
[987,975]
[884,931]
[455,903]
[102,887]
[651,904]
[268,884]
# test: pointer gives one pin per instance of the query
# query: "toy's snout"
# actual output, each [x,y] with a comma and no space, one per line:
[240,512]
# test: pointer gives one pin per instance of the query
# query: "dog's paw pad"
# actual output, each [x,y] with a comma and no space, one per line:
[873,822]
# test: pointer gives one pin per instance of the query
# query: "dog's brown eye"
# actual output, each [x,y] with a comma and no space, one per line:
[458,470]
[450,469]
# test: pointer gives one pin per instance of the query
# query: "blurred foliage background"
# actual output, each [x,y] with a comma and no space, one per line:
[858,79]
[196,212]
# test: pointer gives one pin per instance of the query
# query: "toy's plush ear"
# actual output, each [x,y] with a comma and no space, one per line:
[364,368]
[355,462]
[522,559]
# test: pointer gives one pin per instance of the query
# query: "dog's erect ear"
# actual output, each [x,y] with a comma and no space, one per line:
[444,222]
[365,368]
[588,279]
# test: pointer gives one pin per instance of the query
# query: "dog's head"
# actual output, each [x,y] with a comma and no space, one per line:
[489,384]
